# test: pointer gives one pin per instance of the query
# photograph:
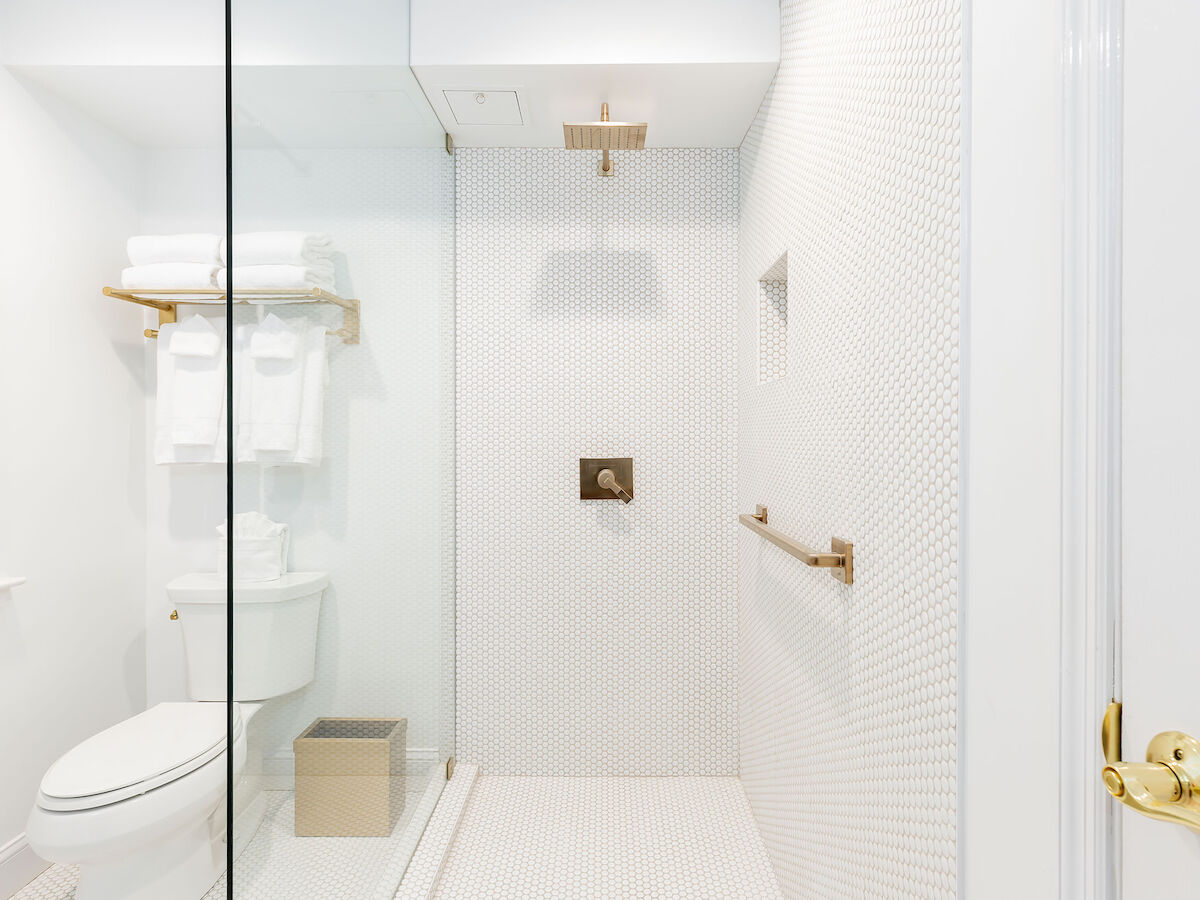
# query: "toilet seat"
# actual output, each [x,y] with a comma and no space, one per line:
[147,751]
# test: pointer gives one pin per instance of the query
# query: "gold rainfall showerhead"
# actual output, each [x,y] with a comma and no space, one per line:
[604,135]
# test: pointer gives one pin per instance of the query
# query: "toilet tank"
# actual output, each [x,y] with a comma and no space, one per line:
[274,633]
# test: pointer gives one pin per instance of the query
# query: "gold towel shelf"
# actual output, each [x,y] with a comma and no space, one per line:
[166,301]
[840,559]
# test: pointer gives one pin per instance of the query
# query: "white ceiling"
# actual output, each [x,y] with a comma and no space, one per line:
[311,74]
[705,105]
[694,70]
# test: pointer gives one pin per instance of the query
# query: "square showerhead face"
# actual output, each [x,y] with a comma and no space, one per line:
[604,135]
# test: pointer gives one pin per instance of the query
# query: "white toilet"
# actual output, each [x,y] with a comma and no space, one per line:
[140,807]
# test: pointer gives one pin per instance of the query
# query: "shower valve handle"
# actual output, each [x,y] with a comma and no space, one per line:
[606,479]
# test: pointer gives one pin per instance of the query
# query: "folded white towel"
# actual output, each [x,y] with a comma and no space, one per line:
[260,547]
[279,276]
[271,376]
[273,339]
[190,403]
[264,248]
[170,276]
[147,249]
[195,336]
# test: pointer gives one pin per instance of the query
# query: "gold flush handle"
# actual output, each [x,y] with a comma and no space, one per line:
[174,615]
[1166,786]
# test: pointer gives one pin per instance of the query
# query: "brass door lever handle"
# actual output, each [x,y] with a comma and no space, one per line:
[1166,786]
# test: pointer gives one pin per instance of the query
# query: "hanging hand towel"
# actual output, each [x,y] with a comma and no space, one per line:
[195,337]
[190,400]
[295,248]
[312,360]
[312,408]
[172,276]
[276,388]
[147,249]
[273,339]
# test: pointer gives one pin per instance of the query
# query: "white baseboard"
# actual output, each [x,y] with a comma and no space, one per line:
[19,865]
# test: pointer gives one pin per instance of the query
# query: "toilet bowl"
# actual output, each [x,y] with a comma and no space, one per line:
[140,807]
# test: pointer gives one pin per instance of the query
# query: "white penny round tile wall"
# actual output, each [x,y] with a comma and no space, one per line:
[596,318]
[847,694]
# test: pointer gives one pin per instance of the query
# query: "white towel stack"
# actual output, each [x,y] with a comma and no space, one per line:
[262,259]
[173,261]
[283,259]
[281,371]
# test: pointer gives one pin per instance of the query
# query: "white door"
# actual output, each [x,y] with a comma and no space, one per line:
[1160,418]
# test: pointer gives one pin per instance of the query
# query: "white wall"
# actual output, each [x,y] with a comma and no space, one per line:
[72,654]
[847,694]
[1011,508]
[376,513]
[549,32]
[595,319]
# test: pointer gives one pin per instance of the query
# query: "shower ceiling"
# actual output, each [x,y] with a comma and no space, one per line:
[697,69]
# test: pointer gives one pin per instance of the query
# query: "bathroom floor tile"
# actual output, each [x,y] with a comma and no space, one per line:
[533,837]
[277,865]
[56,883]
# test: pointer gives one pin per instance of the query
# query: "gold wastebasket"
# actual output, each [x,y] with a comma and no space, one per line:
[350,777]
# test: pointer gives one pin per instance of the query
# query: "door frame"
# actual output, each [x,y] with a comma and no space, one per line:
[1089,821]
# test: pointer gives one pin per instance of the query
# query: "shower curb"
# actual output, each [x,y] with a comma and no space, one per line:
[425,869]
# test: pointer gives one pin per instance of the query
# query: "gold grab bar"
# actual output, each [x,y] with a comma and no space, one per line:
[840,558]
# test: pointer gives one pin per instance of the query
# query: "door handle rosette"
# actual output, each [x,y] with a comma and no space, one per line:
[1166,786]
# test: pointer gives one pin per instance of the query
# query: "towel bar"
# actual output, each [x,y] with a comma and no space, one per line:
[164,301]
[840,559]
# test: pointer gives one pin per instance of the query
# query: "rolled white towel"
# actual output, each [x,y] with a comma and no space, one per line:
[268,248]
[260,547]
[147,249]
[170,275]
[281,276]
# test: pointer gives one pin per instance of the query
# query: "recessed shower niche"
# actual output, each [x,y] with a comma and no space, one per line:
[772,322]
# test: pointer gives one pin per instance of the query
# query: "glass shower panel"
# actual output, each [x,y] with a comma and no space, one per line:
[341,269]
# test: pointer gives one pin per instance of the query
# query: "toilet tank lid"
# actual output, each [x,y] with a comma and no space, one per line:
[209,587]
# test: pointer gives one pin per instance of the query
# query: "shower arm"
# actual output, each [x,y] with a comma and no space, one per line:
[605,163]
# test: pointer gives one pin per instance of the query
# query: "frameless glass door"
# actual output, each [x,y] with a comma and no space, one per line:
[341,269]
